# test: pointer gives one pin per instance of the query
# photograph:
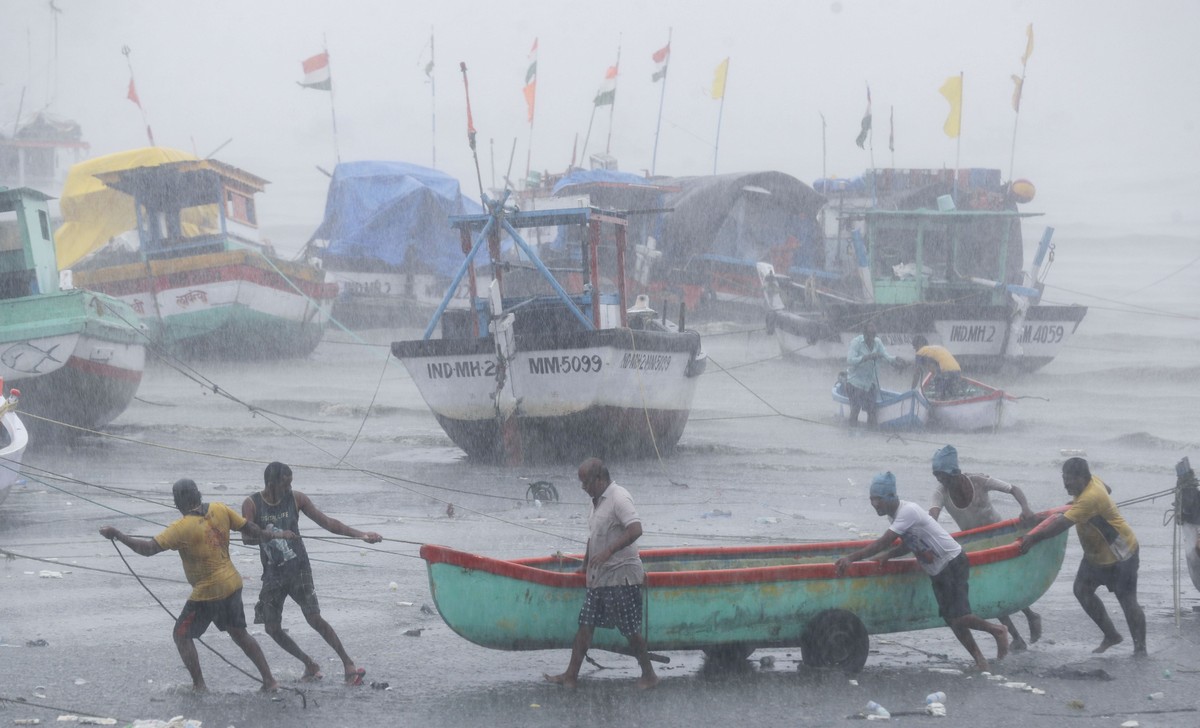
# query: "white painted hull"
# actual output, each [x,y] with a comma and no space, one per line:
[17,440]
[894,410]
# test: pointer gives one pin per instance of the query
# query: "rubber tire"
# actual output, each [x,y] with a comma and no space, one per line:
[835,638]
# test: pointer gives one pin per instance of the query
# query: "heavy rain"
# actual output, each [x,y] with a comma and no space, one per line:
[227,240]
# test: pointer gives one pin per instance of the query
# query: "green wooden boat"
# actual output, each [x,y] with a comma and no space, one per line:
[727,601]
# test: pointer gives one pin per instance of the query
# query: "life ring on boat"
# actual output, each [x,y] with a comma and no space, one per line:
[1022,191]
[835,638]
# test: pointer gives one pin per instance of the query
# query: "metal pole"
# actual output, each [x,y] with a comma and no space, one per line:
[661,98]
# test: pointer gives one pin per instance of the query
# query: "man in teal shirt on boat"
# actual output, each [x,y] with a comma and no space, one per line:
[862,372]
[614,574]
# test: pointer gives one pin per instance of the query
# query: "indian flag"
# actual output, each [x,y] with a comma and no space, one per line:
[661,57]
[531,80]
[316,72]
[608,88]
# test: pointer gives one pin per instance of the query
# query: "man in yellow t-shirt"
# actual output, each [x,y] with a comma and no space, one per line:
[1110,553]
[201,536]
[938,361]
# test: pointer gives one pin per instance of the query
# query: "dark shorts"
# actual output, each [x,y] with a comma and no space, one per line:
[951,589]
[1120,578]
[225,613]
[864,399]
[613,606]
[269,609]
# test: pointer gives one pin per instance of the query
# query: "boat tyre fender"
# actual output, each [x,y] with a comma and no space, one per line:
[835,638]
[770,323]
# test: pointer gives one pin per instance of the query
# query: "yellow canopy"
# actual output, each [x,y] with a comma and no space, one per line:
[93,214]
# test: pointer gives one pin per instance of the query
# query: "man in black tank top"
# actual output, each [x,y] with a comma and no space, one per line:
[286,569]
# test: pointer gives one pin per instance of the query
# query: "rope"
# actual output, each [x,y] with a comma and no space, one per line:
[22,702]
[303,698]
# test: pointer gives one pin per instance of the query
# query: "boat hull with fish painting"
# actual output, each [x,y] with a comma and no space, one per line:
[732,600]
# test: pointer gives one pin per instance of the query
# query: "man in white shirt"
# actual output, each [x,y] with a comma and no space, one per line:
[938,554]
[614,574]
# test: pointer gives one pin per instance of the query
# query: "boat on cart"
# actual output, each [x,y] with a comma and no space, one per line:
[907,410]
[729,601]
[972,405]
[386,241]
[553,365]
[76,356]
[198,274]
[13,441]
[942,261]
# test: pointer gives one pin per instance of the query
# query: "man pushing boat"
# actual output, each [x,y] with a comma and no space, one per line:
[614,574]
[938,554]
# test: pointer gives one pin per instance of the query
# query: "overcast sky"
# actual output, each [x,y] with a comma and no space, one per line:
[1108,127]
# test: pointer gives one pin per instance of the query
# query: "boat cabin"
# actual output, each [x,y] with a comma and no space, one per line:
[27,264]
[177,203]
[936,256]
[592,296]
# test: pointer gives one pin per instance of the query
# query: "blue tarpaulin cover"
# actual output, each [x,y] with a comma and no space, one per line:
[396,214]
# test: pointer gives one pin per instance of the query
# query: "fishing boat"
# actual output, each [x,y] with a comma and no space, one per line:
[972,405]
[76,356]
[386,241]
[905,410]
[736,599]
[943,261]
[13,441]
[553,365]
[697,239]
[198,274]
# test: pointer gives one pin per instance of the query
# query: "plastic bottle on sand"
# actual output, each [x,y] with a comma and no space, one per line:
[877,710]
[938,697]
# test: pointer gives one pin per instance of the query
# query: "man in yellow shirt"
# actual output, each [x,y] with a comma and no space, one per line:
[1110,553]
[201,536]
[938,361]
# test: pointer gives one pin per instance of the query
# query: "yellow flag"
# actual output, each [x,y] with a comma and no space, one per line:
[1018,84]
[718,89]
[952,89]
[1028,44]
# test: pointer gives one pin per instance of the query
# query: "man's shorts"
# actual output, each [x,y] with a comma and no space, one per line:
[1120,578]
[951,589]
[864,399]
[225,613]
[269,609]
[613,606]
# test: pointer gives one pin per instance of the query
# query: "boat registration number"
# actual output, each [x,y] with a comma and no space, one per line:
[565,364]
[1043,333]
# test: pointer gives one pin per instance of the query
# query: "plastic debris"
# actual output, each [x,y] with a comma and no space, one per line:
[950,671]
[875,711]
[1167,673]
[854,682]
[177,722]
[416,632]
[938,697]
[1072,453]
[1016,685]
[766,520]
[1130,724]
[404,604]
[27,721]
[37,643]
[1037,691]
[937,710]
[393,586]
[48,574]
[1156,696]
[380,686]
[80,681]
[717,513]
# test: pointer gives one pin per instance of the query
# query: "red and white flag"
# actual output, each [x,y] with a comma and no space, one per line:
[661,57]
[316,72]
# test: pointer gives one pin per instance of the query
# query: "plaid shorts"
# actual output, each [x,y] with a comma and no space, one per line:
[226,613]
[613,606]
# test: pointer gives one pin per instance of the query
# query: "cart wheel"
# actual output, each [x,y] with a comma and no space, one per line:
[728,654]
[835,638]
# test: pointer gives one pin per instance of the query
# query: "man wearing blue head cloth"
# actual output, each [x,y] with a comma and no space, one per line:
[938,554]
[965,496]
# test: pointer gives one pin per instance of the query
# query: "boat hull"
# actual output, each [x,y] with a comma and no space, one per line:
[747,596]
[894,410]
[980,407]
[76,356]
[975,335]
[235,304]
[606,392]
[12,448]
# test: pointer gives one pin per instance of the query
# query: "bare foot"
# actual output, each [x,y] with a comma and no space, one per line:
[1017,645]
[647,682]
[199,687]
[981,664]
[1108,642]
[1035,626]
[1001,636]
[269,687]
[312,673]
[565,680]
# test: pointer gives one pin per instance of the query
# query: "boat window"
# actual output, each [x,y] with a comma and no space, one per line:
[240,208]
